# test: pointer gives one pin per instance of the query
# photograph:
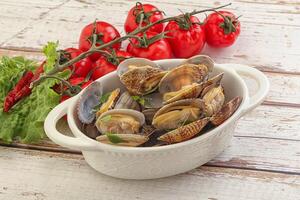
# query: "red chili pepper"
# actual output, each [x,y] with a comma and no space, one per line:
[19,91]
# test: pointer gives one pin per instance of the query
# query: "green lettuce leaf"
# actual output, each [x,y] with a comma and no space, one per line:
[50,51]
[25,120]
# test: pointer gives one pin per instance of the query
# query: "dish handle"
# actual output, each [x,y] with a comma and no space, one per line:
[263,84]
[51,131]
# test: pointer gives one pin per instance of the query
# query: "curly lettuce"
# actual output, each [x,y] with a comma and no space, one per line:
[24,122]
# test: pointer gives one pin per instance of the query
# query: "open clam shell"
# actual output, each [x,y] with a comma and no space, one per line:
[127,64]
[201,60]
[210,83]
[181,76]
[87,102]
[126,102]
[110,102]
[214,100]
[185,132]
[176,114]
[186,92]
[227,110]
[131,140]
[142,80]
[120,121]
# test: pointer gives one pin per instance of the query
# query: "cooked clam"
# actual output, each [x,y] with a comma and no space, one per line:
[131,140]
[210,83]
[214,100]
[142,80]
[87,102]
[184,132]
[126,102]
[201,60]
[109,101]
[120,121]
[181,76]
[227,110]
[178,113]
[186,92]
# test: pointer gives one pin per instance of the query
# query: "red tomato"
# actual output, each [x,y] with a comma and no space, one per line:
[108,64]
[151,14]
[186,39]
[222,29]
[159,49]
[105,33]
[82,67]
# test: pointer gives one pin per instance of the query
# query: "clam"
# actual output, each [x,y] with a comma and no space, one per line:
[181,76]
[176,114]
[201,60]
[227,110]
[140,76]
[120,121]
[110,100]
[126,102]
[210,83]
[186,92]
[130,63]
[184,132]
[88,100]
[214,100]
[131,140]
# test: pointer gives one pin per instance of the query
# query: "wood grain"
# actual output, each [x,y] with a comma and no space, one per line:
[48,175]
[265,25]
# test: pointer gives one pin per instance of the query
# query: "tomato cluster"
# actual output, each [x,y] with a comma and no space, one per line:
[183,37]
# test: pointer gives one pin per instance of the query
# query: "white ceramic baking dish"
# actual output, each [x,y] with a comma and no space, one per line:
[161,161]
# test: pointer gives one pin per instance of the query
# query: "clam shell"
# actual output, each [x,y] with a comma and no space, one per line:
[227,110]
[126,102]
[110,103]
[87,102]
[211,83]
[184,132]
[138,62]
[182,75]
[102,125]
[142,80]
[187,92]
[214,100]
[201,59]
[130,140]
[175,114]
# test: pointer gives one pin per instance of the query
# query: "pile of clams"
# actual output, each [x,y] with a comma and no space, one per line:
[158,107]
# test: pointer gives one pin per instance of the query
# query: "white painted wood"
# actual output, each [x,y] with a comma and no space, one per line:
[48,175]
[268,39]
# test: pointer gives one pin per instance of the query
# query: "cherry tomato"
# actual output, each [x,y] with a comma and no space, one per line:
[221,29]
[150,14]
[187,38]
[107,64]
[159,49]
[105,33]
[82,67]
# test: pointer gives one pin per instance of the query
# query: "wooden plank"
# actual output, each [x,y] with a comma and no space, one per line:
[262,154]
[270,122]
[48,175]
[275,24]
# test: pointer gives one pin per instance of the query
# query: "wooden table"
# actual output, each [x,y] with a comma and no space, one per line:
[263,160]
